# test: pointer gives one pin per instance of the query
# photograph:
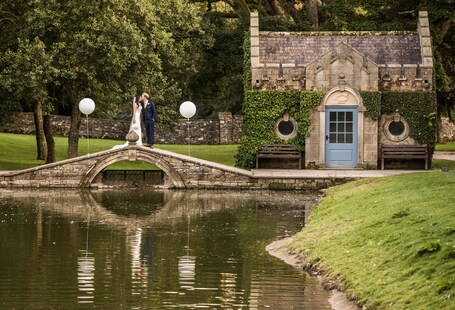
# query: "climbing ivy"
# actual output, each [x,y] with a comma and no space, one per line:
[372,103]
[261,110]
[419,110]
[246,62]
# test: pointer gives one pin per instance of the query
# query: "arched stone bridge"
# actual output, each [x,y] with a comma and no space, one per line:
[181,171]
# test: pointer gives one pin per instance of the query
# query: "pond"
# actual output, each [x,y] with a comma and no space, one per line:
[146,249]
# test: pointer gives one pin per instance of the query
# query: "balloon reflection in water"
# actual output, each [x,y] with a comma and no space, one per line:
[187,266]
[86,270]
[86,276]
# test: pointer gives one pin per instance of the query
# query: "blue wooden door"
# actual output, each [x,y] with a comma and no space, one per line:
[341,137]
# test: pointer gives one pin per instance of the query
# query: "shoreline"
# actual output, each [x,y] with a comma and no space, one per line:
[338,299]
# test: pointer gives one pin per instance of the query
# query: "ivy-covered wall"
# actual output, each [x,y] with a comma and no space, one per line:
[261,110]
[420,111]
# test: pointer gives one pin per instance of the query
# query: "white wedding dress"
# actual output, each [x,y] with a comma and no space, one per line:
[135,126]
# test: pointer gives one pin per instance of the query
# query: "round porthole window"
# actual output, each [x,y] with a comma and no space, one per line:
[286,127]
[396,128]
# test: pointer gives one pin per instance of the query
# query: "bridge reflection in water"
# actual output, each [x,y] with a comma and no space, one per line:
[152,249]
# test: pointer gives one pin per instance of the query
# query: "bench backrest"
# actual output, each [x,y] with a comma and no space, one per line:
[421,149]
[284,148]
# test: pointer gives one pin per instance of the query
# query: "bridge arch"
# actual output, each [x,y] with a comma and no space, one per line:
[133,154]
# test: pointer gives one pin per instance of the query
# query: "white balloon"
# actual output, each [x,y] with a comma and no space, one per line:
[187,109]
[87,106]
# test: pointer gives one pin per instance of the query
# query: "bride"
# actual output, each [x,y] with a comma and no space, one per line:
[135,123]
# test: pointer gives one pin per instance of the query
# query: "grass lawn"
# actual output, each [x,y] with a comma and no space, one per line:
[19,152]
[446,147]
[390,240]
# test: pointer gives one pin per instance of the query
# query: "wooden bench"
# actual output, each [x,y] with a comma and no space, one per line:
[280,151]
[404,152]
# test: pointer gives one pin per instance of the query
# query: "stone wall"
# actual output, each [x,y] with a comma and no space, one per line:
[226,129]
[446,130]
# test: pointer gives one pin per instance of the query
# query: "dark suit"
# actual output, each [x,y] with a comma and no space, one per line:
[149,116]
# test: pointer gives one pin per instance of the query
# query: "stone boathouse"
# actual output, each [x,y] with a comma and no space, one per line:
[375,88]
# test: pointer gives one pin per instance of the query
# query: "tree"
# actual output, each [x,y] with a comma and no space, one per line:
[132,46]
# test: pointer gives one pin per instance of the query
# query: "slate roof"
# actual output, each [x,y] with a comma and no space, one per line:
[303,48]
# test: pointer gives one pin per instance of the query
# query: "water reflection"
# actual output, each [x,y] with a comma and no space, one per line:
[86,277]
[151,249]
[139,266]
[187,264]
[86,270]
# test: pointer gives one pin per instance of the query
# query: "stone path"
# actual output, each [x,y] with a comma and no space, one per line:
[444,155]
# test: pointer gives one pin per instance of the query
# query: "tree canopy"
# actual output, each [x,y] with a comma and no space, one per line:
[54,53]
[58,52]
[344,15]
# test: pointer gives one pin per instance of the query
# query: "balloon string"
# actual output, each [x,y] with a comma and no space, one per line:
[189,152]
[88,139]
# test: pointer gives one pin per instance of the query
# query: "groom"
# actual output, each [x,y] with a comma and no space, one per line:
[149,116]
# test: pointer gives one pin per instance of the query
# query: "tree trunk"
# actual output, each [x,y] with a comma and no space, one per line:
[273,7]
[289,7]
[73,135]
[241,8]
[311,7]
[47,126]
[39,131]
[444,29]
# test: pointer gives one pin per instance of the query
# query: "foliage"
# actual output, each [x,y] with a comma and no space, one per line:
[68,50]
[218,84]
[246,62]
[372,103]
[418,109]
[262,109]
[366,15]
[385,260]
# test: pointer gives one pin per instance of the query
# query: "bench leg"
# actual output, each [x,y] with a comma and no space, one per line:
[382,163]
[257,163]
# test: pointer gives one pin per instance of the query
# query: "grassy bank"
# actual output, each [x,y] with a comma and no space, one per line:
[19,152]
[390,241]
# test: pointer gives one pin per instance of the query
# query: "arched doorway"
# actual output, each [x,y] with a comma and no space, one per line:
[341,139]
